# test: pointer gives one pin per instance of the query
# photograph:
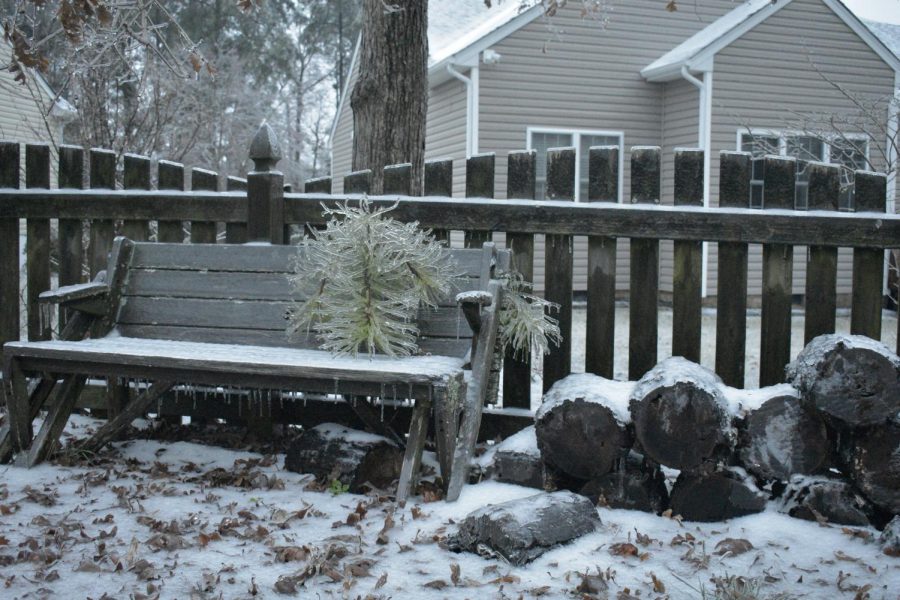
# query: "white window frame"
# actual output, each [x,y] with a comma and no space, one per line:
[784,134]
[576,134]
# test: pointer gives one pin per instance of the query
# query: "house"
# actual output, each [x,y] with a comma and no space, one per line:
[714,74]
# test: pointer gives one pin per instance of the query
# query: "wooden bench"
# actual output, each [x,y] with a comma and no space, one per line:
[207,314]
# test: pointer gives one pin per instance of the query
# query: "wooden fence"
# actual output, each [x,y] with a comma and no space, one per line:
[258,209]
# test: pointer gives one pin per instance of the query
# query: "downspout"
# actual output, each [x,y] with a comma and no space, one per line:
[704,142]
[471,107]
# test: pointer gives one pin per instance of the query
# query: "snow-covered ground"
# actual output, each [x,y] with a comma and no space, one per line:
[183,520]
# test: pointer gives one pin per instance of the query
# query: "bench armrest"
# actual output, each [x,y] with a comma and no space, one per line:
[471,304]
[95,290]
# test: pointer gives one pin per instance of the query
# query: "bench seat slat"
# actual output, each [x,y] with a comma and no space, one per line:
[251,360]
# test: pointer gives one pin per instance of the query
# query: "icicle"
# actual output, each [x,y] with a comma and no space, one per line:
[458,320]
[336,393]
[304,399]
[281,400]
[269,402]
[409,396]
[382,408]
[394,388]
[240,403]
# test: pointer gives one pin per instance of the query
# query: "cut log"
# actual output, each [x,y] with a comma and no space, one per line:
[852,380]
[781,438]
[581,425]
[516,460]
[872,460]
[715,496]
[523,529]
[634,486]
[890,538]
[681,417]
[354,458]
[829,500]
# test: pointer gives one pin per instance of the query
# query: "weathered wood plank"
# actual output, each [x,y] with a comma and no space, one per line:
[109,430]
[15,389]
[412,458]
[136,176]
[71,247]
[439,182]
[235,233]
[479,184]
[731,300]
[9,248]
[38,396]
[203,231]
[319,185]
[688,273]
[398,180]
[868,265]
[102,176]
[520,183]
[171,177]
[778,266]
[821,265]
[558,259]
[47,439]
[644,285]
[359,182]
[603,186]
[37,245]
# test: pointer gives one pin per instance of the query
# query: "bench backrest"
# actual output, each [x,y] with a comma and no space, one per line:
[240,294]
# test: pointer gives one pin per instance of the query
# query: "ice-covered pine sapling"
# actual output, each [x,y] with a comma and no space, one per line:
[525,321]
[364,277]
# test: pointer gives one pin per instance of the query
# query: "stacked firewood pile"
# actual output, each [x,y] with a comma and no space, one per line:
[824,446]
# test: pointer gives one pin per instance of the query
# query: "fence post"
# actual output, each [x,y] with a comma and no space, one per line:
[203,180]
[397,179]
[821,266]
[780,180]
[644,284]
[102,176]
[731,293]
[558,263]
[358,182]
[136,176]
[688,272]
[9,248]
[235,233]
[71,247]
[319,185]
[37,246]
[520,183]
[171,177]
[479,184]
[603,186]
[439,182]
[265,190]
[868,263]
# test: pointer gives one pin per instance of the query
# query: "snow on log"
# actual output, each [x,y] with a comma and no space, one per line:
[634,485]
[681,417]
[853,380]
[515,460]
[872,460]
[715,496]
[333,452]
[521,530]
[581,425]
[823,499]
[781,438]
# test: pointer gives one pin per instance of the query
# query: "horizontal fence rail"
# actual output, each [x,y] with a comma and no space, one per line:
[188,207]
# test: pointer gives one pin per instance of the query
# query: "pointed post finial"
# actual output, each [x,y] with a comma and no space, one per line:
[264,149]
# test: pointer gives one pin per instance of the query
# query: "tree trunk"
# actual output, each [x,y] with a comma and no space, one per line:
[390,97]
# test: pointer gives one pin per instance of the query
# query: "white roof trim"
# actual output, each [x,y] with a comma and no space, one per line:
[340,106]
[697,53]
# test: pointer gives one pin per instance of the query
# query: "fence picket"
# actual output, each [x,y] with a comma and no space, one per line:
[398,179]
[520,183]
[868,264]
[778,265]
[37,244]
[821,264]
[235,233]
[687,280]
[731,295]
[102,176]
[600,343]
[71,246]
[358,182]
[9,248]
[203,232]
[171,177]
[644,286]
[136,176]
[559,265]
[439,182]
[479,184]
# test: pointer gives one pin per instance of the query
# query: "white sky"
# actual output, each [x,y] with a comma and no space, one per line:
[876,10]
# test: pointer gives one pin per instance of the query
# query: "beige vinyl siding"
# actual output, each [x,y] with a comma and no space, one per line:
[780,66]
[342,141]
[445,131]
[573,73]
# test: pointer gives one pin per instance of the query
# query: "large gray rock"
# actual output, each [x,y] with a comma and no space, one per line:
[521,530]
[890,538]
[818,498]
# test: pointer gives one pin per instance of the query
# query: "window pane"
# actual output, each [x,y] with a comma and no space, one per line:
[587,141]
[851,155]
[541,142]
[759,145]
[806,147]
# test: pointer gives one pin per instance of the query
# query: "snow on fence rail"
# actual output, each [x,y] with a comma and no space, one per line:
[258,209]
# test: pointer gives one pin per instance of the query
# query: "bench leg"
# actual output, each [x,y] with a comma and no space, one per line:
[48,437]
[465,442]
[132,411]
[412,458]
[446,426]
[15,387]
[36,399]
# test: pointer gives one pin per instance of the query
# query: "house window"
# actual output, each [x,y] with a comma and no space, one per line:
[541,140]
[849,152]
